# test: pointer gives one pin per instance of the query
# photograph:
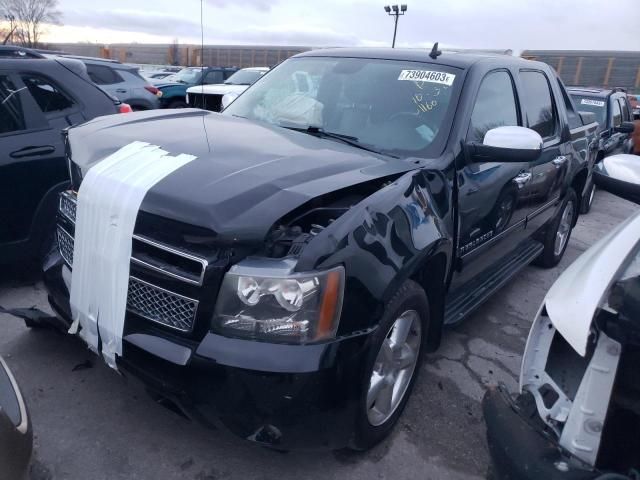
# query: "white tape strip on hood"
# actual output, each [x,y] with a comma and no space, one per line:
[108,202]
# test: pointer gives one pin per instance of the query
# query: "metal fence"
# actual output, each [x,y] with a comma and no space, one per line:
[190,55]
[592,68]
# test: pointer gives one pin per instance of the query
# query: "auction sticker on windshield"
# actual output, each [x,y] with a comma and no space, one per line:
[595,103]
[427,76]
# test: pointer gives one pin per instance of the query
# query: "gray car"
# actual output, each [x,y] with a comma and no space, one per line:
[123,81]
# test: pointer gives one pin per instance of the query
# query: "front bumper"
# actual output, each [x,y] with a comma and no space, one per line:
[282,396]
[520,451]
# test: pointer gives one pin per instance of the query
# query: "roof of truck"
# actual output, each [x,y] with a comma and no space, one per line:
[452,59]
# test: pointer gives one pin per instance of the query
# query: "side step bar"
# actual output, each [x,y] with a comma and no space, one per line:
[474,293]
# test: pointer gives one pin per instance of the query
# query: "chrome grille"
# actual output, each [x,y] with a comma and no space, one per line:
[65,245]
[67,205]
[161,306]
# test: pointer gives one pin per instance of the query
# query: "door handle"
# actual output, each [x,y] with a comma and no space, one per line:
[121,90]
[559,160]
[33,151]
[522,178]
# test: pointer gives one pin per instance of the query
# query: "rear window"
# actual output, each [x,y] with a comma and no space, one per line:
[47,94]
[102,75]
[538,103]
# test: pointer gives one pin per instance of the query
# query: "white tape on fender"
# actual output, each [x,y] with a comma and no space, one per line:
[108,202]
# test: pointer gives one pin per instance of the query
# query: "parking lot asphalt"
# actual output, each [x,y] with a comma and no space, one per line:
[91,423]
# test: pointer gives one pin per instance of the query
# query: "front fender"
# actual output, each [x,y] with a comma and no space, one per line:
[382,241]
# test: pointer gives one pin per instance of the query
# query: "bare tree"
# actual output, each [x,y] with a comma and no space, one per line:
[31,17]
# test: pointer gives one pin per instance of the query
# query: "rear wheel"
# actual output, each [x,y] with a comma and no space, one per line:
[556,238]
[587,200]
[393,365]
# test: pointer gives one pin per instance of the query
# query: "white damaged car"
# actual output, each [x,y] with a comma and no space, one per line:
[209,97]
[577,415]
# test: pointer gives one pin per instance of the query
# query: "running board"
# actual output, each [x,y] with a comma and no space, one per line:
[475,292]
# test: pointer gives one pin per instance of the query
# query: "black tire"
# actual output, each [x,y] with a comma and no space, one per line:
[177,104]
[410,296]
[550,257]
[587,200]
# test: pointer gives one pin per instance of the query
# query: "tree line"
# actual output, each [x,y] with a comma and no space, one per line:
[22,22]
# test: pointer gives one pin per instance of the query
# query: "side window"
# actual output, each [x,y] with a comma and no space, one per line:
[538,103]
[47,94]
[625,109]
[616,113]
[213,77]
[574,120]
[11,114]
[495,106]
[102,75]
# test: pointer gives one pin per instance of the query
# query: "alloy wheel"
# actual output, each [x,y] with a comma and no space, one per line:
[394,367]
[564,228]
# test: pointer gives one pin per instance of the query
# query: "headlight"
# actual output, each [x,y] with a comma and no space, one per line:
[263,299]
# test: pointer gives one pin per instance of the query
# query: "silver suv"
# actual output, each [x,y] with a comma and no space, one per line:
[122,81]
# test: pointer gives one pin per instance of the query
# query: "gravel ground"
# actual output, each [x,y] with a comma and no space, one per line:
[94,424]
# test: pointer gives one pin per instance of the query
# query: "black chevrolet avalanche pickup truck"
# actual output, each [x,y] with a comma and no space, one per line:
[288,281]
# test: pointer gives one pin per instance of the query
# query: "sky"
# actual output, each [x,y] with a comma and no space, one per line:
[485,24]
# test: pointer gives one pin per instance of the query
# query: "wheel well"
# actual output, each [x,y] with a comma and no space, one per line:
[578,183]
[431,276]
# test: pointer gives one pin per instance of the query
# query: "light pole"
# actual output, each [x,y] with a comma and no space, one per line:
[395,11]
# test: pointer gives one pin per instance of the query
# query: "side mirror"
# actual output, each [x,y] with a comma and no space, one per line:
[625,127]
[587,117]
[620,175]
[507,144]
[228,98]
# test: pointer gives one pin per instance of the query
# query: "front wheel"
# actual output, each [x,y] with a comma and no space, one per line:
[556,238]
[393,365]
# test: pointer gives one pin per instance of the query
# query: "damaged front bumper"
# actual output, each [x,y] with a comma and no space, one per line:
[519,447]
[281,396]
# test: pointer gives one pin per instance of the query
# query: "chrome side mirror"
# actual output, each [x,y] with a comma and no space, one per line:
[620,175]
[228,98]
[507,144]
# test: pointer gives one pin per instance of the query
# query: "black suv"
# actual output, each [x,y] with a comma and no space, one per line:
[39,97]
[612,109]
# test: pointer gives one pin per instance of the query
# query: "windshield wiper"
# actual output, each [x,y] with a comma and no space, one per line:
[348,139]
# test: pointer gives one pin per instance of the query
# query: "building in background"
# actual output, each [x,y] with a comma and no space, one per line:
[592,68]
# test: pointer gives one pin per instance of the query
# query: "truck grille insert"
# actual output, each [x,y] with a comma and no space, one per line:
[65,245]
[145,299]
[67,206]
[161,306]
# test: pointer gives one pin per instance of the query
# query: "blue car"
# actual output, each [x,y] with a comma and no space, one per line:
[174,92]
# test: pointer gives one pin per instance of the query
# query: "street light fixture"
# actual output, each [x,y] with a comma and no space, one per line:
[395,11]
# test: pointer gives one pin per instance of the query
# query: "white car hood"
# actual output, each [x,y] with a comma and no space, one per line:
[218,89]
[572,300]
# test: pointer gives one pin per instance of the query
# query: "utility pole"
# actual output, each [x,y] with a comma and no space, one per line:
[395,12]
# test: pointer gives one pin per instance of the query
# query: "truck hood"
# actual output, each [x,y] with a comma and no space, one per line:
[573,299]
[219,89]
[246,175]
